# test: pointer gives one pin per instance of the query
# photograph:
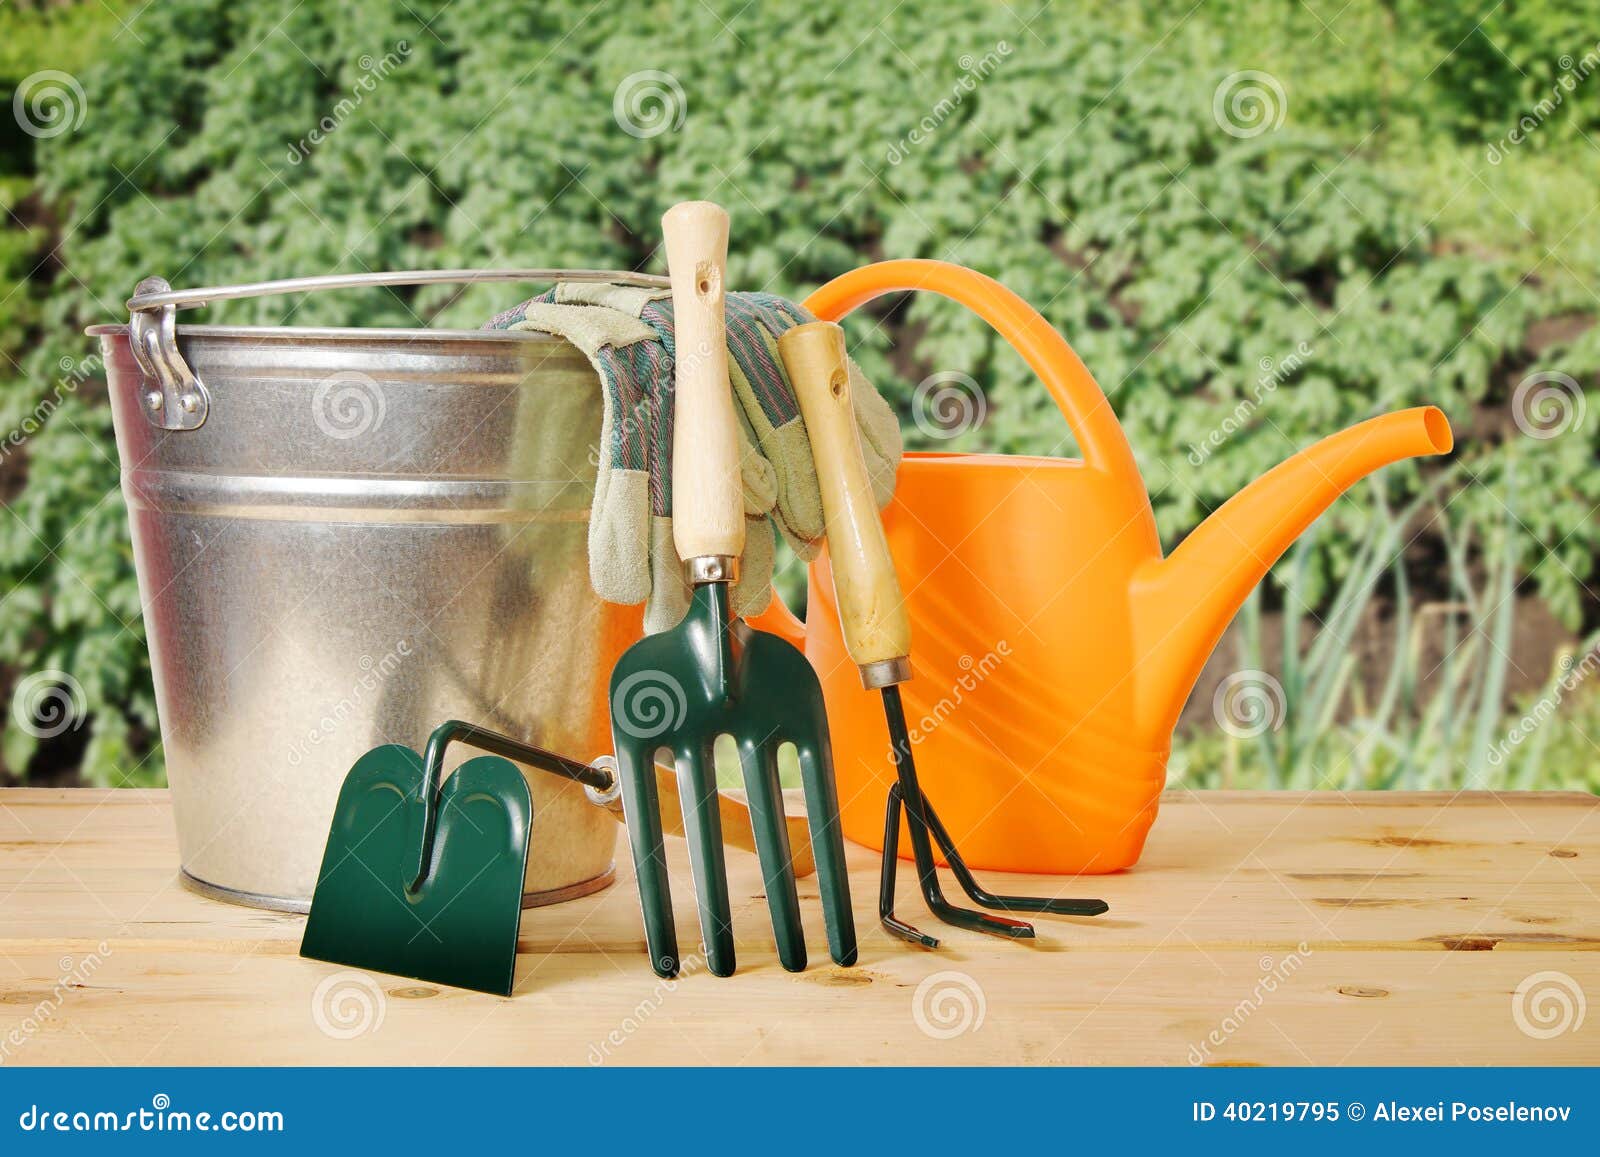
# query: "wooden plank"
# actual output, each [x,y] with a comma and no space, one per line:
[146,1005]
[1259,928]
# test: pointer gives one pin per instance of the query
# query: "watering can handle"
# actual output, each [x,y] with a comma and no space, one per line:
[1084,404]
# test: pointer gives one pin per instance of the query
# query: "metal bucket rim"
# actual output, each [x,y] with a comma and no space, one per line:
[340,333]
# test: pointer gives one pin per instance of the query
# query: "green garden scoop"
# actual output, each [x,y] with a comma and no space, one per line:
[420,878]
[712,674]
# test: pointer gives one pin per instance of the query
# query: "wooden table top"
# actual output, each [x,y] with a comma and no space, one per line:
[1259,928]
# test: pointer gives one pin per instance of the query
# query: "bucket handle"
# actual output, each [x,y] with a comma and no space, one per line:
[148,295]
[176,398]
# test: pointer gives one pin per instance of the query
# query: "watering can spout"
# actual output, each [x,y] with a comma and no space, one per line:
[1185,601]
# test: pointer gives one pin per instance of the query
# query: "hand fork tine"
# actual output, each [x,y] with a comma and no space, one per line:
[760,765]
[642,808]
[827,845]
[702,825]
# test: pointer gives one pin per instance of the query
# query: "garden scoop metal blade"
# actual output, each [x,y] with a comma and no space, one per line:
[424,879]
[712,675]
[877,633]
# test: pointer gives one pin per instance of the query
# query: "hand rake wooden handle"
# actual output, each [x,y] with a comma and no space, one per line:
[872,609]
[707,497]
[736,829]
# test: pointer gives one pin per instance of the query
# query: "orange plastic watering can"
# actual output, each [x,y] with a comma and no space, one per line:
[1055,645]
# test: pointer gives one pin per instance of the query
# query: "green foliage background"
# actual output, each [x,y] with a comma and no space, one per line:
[1087,171]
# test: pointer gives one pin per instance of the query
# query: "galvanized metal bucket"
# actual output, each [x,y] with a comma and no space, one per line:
[344,537]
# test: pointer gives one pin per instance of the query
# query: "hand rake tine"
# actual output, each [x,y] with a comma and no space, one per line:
[702,825]
[922,846]
[1055,906]
[891,857]
[827,845]
[760,765]
[642,807]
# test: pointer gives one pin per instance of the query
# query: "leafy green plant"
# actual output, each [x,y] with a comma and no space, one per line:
[1506,61]
[1087,169]
[1434,718]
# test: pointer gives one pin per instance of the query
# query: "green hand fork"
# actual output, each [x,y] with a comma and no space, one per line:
[713,675]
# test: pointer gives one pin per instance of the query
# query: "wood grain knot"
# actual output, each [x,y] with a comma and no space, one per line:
[840,978]
[1364,993]
[1407,842]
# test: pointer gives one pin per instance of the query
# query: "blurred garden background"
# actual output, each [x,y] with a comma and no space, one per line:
[1257,223]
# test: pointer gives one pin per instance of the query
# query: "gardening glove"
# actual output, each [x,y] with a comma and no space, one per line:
[765,398]
[627,334]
